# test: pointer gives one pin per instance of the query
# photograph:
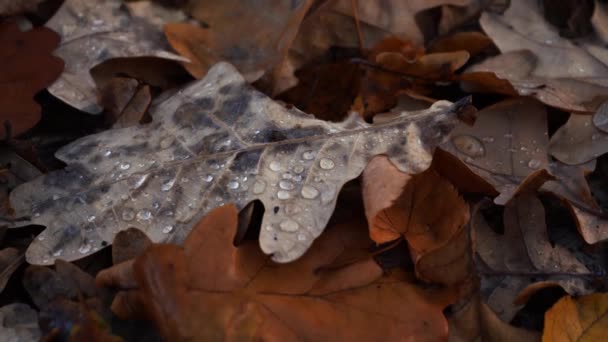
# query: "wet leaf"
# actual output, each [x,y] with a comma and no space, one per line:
[578,141]
[19,323]
[600,118]
[307,299]
[93,32]
[580,319]
[26,67]
[427,211]
[522,256]
[214,142]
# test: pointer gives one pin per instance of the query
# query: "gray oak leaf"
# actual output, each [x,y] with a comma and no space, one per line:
[214,142]
[95,31]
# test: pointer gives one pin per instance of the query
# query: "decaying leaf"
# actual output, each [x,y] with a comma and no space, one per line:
[126,101]
[523,255]
[26,67]
[214,142]
[580,319]
[578,141]
[93,32]
[308,299]
[10,260]
[19,323]
[427,211]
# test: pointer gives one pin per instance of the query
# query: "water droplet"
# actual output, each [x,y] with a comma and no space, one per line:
[326,164]
[37,214]
[298,169]
[55,197]
[289,226]
[107,153]
[84,248]
[259,186]
[283,195]
[155,205]
[488,139]
[167,229]
[308,155]
[309,192]
[297,178]
[144,215]
[218,199]
[274,165]
[268,228]
[125,166]
[469,145]
[287,175]
[301,237]
[40,237]
[215,166]
[233,185]
[523,148]
[167,185]
[286,185]
[166,142]
[91,218]
[208,178]
[57,252]
[534,164]
[128,215]
[137,181]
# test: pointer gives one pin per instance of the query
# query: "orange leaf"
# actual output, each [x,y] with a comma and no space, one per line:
[581,319]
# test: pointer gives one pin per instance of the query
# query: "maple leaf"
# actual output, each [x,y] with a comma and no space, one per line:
[256,299]
[580,319]
[26,67]
[214,142]
[93,32]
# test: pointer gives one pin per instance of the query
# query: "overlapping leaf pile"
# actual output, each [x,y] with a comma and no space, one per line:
[304,170]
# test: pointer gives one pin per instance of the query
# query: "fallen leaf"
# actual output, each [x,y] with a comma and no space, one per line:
[472,42]
[270,33]
[580,319]
[126,101]
[19,323]
[93,32]
[8,7]
[26,67]
[128,244]
[257,299]
[523,255]
[578,141]
[600,118]
[475,321]
[10,260]
[427,211]
[217,141]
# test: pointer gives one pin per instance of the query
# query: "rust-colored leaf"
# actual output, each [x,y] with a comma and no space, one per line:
[26,67]
[209,289]
[577,319]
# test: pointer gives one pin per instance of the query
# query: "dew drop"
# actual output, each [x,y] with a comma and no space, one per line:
[488,139]
[286,185]
[469,145]
[91,218]
[40,237]
[208,178]
[233,185]
[37,214]
[128,215]
[298,169]
[274,166]
[167,185]
[534,164]
[84,248]
[309,192]
[326,164]
[144,215]
[308,155]
[289,226]
[268,228]
[167,229]
[287,175]
[301,237]
[258,187]
[56,197]
[297,178]
[125,166]
[107,153]
[283,195]
[155,205]
[57,252]
[137,181]
[215,166]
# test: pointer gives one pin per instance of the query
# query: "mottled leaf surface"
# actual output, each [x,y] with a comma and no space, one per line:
[95,31]
[217,141]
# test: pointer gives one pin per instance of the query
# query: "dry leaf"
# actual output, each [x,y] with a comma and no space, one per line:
[19,323]
[522,256]
[428,211]
[26,67]
[472,42]
[126,101]
[93,32]
[582,319]
[128,244]
[257,299]
[217,141]
[578,141]
[10,260]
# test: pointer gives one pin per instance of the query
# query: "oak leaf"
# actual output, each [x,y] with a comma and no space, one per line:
[581,319]
[214,290]
[214,142]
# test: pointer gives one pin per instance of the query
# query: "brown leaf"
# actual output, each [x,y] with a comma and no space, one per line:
[475,321]
[125,101]
[10,260]
[213,290]
[19,323]
[428,211]
[581,319]
[578,141]
[472,42]
[26,67]
[522,256]
[128,244]
[8,7]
